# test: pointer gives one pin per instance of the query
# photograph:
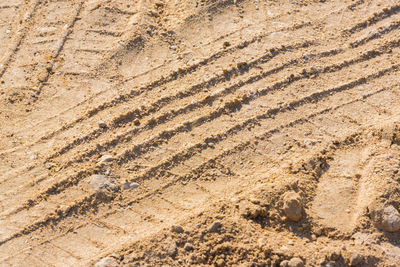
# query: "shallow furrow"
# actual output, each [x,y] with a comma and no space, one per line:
[90,203]
[176,158]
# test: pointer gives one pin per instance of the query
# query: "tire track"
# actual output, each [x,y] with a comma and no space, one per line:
[165,136]
[60,43]
[90,203]
[67,127]
[210,163]
[377,17]
[174,75]
[362,58]
[222,78]
[327,149]
[204,144]
[58,187]
[381,31]
[197,148]
[21,37]
[299,103]
[140,113]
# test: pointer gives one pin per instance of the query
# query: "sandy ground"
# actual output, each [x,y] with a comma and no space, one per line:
[181,133]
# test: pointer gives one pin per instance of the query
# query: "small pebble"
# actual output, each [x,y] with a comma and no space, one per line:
[318,231]
[356,259]
[134,185]
[105,159]
[296,262]
[177,229]
[387,218]
[102,124]
[107,262]
[220,263]
[284,263]
[214,227]
[126,185]
[171,248]
[292,206]
[188,247]
[49,165]
[99,182]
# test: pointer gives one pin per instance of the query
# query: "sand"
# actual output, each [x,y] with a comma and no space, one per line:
[225,133]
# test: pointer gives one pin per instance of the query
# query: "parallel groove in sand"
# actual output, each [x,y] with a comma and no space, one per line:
[215,145]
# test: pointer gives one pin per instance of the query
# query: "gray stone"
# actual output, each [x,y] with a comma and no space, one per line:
[177,229]
[134,185]
[295,262]
[100,182]
[284,263]
[107,262]
[214,227]
[127,185]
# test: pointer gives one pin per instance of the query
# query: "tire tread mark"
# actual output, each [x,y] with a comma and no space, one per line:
[164,80]
[90,202]
[385,13]
[195,149]
[20,39]
[115,101]
[313,98]
[229,105]
[56,53]
[140,113]
[393,26]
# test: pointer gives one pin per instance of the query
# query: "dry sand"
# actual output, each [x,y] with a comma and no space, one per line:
[225,133]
